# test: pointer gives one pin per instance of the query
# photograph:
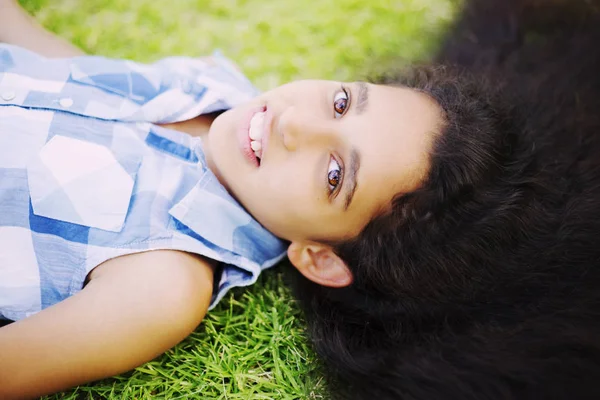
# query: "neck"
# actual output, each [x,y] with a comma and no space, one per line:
[198,126]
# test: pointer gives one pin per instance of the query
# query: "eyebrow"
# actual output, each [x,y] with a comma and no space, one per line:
[350,178]
[363,97]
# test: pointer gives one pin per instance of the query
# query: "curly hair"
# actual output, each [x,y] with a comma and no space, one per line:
[484,282]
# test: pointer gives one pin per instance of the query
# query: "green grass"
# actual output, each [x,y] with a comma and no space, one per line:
[252,345]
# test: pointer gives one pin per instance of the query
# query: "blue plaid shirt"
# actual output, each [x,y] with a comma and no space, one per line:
[86,175]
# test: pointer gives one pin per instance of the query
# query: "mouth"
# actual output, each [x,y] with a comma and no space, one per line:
[256,135]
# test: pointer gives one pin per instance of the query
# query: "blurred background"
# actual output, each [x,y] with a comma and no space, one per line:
[252,346]
[274,41]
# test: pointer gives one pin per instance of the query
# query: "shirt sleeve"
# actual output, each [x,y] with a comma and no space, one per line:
[172,89]
[169,90]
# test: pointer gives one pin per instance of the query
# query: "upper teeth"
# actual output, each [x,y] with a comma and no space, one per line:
[256,132]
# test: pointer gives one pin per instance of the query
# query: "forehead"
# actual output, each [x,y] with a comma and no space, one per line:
[394,137]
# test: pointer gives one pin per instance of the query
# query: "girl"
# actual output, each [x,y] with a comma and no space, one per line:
[442,225]
[128,208]
[482,282]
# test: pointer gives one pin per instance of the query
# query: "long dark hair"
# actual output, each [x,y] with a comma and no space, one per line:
[485,281]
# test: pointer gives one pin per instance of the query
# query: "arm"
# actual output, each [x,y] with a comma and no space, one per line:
[19,28]
[133,309]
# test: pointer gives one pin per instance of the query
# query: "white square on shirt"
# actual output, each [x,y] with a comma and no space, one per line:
[23,132]
[22,82]
[19,272]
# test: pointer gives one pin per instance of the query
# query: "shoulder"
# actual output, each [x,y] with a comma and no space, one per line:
[177,278]
[147,261]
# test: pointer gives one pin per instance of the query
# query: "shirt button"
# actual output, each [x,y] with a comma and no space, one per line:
[8,95]
[66,102]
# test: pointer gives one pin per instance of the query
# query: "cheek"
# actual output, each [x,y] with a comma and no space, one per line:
[283,196]
[280,187]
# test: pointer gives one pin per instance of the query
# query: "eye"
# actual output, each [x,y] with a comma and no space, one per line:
[334,175]
[340,103]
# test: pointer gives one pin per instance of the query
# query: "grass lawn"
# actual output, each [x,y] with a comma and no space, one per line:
[252,346]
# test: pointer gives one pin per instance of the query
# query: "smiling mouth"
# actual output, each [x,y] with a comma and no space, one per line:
[256,133]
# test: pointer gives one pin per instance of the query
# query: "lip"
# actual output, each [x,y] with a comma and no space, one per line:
[266,134]
[244,139]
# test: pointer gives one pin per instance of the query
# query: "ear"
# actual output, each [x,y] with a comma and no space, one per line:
[319,263]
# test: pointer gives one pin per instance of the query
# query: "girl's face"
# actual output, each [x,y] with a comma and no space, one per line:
[327,157]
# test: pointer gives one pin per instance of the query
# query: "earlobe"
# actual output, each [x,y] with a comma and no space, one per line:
[320,264]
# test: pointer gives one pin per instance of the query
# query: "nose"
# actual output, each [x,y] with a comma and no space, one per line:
[301,129]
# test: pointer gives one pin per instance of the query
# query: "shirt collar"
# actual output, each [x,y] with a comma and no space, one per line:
[210,212]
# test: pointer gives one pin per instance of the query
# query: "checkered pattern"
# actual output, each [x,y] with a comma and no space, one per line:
[86,175]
